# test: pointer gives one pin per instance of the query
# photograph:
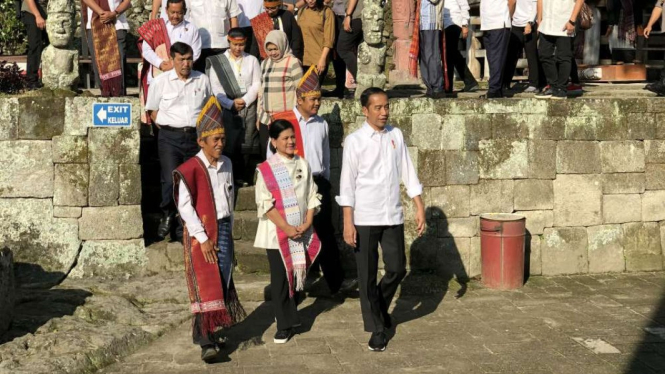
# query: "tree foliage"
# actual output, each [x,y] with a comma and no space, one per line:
[13,40]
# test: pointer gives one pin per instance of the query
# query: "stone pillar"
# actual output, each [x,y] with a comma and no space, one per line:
[404,15]
[372,51]
[60,60]
[7,296]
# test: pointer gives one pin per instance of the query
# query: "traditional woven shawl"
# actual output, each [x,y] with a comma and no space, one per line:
[261,26]
[155,34]
[414,51]
[107,54]
[297,254]
[627,29]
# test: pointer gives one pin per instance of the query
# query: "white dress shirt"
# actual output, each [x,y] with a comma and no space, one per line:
[455,12]
[494,14]
[249,9]
[184,32]
[249,74]
[525,12]
[179,102]
[221,178]
[373,164]
[314,132]
[213,18]
[120,22]
[556,14]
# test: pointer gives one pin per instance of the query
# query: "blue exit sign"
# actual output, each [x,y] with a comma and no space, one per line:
[111,114]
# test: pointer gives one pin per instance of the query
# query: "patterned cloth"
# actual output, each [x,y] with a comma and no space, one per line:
[155,34]
[414,50]
[261,26]
[107,52]
[427,16]
[210,119]
[309,84]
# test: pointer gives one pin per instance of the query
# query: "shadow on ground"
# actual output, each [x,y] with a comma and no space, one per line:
[649,356]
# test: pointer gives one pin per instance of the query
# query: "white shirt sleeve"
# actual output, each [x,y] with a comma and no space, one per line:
[409,176]
[234,9]
[464,11]
[196,42]
[263,197]
[188,214]
[207,89]
[347,183]
[150,55]
[253,90]
[155,93]
[218,90]
[326,151]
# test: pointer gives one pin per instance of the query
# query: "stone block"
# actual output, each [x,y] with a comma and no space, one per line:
[534,254]
[27,169]
[577,157]
[641,243]
[513,126]
[581,128]
[660,126]
[542,159]
[654,151]
[104,184]
[653,206]
[41,117]
[246,199]
[452,132]
[548,128]
[623,183]
[622,156]
[564,251]
[71,185]
[246,224]
[458,227]
[577,200]
[404,124]
[107,258]
[503,159]
[70,149]
[7,289]
[622,208]
[27,227]
[611,126]
[67,211]
[447,202]
[492,196]
[534,194]
[655,176]
[537,220]
[606,249]
[461,167]
[475,261]
[431,166]
[119,146]
[477,128]
[78,113]
[452,259]
[427,131]
[413,155]
[111,223]
[640,125]
[8,119]
[130,191]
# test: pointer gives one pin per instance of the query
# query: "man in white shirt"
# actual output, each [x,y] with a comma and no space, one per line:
[214,18]
[174,103]
[179,30]
[495,23]
[556,24]
[249,9]
[524,35]
[375,160]
[456,22]
[160,11]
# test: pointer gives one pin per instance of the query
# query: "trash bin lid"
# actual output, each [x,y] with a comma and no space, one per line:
[503,217]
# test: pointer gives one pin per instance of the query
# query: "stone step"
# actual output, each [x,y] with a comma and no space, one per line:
[245,224]
[251,260]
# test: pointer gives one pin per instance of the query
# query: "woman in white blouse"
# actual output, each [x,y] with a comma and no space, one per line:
[286,199]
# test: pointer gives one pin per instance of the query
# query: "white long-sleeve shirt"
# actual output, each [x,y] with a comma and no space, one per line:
[249,9]
[455,12]
[249,74]
[213,18]
[185,32]
[221,178]
[556,14]
[314,132]
[494,14]
[525,12]
[178,102]
[120,23]
[373,165]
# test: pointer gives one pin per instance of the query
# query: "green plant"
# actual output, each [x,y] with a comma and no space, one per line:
[13,39]
[11,80]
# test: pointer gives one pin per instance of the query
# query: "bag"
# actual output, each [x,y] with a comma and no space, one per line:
[585,19]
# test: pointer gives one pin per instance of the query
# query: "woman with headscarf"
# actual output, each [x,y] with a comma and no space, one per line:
[280,74]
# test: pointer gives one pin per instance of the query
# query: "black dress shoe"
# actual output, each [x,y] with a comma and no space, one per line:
[165,226]
[377,342]
[208,353]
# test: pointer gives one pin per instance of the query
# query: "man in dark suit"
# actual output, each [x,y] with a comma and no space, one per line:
[277,18]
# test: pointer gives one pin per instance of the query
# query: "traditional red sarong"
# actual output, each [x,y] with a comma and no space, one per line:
[155,34]
[414,51]
[261,26]
[291,117]
[107,54]
[204,281]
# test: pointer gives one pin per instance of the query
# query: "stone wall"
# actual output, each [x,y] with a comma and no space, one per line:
[589,175]
[69,193]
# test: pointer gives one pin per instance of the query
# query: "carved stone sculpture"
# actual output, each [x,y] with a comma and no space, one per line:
[372,51]
[60,60]
[404,16]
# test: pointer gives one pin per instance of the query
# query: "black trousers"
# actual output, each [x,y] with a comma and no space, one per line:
[286,311]
[37,41]
[121,35]
[173,149]
[556,57]
[430,60]
[529,43]
[455,60]
[347,45]
[200,64]
[328,258]
[264,138]
[496,48]
[338,63]
[375,298]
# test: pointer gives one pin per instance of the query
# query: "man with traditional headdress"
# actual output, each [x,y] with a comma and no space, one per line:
[106,32]
[203,188]
[313,144]
[277,18]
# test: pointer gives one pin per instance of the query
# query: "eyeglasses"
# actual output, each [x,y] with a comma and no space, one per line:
[272,8]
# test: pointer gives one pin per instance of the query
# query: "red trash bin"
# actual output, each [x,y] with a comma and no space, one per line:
[502,250]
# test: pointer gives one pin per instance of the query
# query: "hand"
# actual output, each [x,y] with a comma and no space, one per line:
[347,24]
[465,32]
[153,15]
[166,65]
[292,232]
[41,24]
[239,104]
[647,31]
[107,17]
[527,29]
[304,227]
[258,125]
[569,29]
[609,30]
[420,220]
[350,235]
[209,252]
[320,67]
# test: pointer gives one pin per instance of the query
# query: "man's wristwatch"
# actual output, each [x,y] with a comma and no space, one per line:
[571,22]
[347,15]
